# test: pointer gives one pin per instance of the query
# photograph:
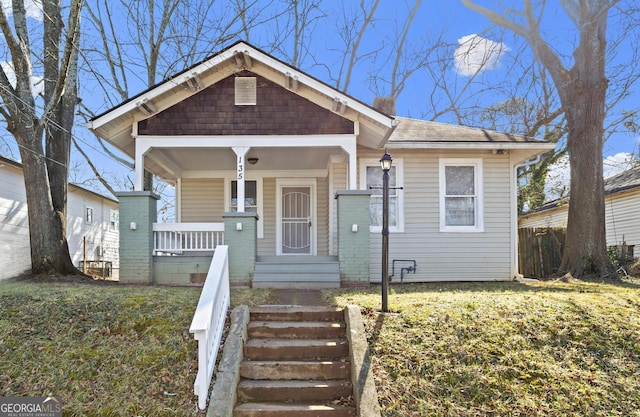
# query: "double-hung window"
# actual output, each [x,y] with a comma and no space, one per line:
[250,196]
[88,215]
[252,199]
[371,176]
[461,197]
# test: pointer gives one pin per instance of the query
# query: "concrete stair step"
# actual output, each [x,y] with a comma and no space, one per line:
[296,313]
[297,272]
[308,282]
[296,329]
[293,390]
[296,349]
[301,370]
[293,410]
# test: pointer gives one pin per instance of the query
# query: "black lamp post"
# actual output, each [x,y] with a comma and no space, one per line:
[385,164]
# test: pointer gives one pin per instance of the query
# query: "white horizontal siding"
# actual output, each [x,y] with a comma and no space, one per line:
[449,256]
[556,217]
[622,215]
[623,219]
[14,225]
[15,256]
[98,241]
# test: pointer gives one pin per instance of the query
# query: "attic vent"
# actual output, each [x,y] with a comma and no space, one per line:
[245,91]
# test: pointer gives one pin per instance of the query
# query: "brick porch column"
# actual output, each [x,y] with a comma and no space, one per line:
[353,237]
[241,235]
[138,212]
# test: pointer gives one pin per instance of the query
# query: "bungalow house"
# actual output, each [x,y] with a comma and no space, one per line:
[622,200]
[92,226]
[283,168]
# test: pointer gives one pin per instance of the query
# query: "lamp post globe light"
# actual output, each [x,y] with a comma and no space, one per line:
[385,164]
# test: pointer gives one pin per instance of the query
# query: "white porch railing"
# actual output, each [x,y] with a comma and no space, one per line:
[208,321]
[177,238]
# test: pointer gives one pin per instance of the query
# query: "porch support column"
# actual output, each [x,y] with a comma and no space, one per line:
[353,237]
[240,152]
[141,151]
[353,163]
[241,235]
[138,212]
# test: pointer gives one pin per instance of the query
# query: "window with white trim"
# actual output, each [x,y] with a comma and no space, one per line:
[371,176]
[114,220]
[250,196]
[88,215]
[461,195]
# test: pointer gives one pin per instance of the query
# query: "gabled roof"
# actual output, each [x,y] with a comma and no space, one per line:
[624,181]
[18,166]
[115,125]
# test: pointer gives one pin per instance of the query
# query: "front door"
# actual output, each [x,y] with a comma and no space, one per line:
[296,230]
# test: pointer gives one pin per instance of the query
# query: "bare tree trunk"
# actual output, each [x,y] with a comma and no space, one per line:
[585,250]
[582,91]
[45,174]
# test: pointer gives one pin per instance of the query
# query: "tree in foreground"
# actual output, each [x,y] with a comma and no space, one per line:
[582,88]
[41,122]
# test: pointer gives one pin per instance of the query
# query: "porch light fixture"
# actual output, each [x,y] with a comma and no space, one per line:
[385,164]
[147,107]
[252,160]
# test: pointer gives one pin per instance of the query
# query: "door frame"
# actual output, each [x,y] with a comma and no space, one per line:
[297,182]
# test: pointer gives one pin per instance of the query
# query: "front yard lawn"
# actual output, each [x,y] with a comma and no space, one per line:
[490,349]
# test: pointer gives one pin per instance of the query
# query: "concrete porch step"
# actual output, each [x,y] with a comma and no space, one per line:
[295,349]
[293,410]
[296,329]
[302,370]
[296,272]
[293,390]
[296,313]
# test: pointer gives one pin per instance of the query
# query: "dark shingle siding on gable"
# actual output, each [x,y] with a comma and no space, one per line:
[213,112]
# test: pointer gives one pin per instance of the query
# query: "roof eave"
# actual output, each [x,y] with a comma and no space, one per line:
[130,109]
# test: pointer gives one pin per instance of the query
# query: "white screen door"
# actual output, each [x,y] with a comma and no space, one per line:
[297,228]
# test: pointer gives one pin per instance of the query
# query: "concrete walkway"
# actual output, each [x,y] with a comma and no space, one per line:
[298,297]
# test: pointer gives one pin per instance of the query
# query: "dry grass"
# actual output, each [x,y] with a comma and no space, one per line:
[107,350]
[548,349]
[489,349]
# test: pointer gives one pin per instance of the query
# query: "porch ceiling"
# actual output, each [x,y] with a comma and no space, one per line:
[173,163]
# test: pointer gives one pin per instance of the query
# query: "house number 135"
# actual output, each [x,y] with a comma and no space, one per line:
[240,168]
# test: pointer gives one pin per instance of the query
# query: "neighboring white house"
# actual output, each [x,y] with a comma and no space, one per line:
[92,226]
[307,146]
[622,214]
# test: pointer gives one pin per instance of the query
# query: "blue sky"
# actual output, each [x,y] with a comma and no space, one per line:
[448,21]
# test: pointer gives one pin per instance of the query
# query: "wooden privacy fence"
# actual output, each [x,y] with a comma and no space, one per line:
[540,251]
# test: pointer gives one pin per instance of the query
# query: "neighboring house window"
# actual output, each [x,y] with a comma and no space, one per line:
[371,176]
[250,196]
[114,219]
[88,215]
[461,205]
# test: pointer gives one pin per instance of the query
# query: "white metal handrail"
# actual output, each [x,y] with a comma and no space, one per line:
[208,321]
[177,238]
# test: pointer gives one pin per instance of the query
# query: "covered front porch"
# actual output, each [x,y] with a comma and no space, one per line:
[181,253]
[242,133]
